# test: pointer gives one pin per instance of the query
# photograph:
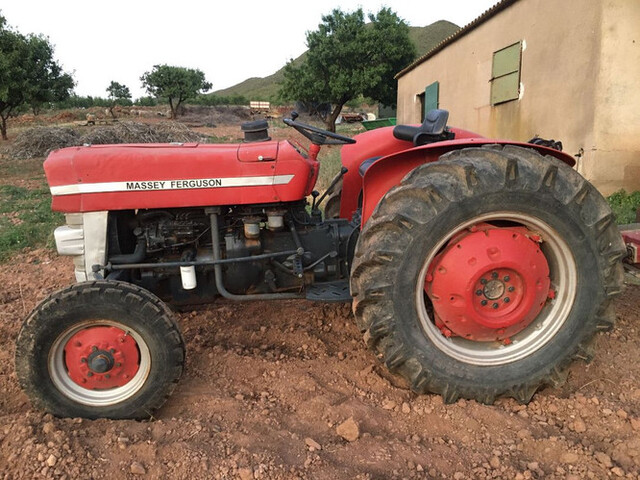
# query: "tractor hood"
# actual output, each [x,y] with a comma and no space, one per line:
[118,177]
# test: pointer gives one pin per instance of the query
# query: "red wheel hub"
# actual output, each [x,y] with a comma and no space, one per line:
[489,283]
[104,357]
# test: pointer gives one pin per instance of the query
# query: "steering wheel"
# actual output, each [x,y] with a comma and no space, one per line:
[317,135]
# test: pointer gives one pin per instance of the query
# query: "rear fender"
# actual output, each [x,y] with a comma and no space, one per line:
[369,144]
[389,171]
[375,143]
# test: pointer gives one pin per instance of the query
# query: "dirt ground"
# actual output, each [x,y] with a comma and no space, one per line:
[267,384]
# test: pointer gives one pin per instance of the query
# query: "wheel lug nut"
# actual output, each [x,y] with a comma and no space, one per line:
[106,375]
[94,348]
[511,289]
[506,300]
[112,350]
[83,360]
[507,278]
[118,364]
[483,281]
[483,303]
[495,305]
[494,275]
[90,374]
[478,292]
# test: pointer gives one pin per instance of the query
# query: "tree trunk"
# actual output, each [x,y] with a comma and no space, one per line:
[173,109]
[331,119]
[3,128]
[178,105]
[113,115]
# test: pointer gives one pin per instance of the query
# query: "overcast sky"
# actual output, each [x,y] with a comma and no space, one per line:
[100,41]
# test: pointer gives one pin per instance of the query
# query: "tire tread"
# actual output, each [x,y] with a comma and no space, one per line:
[389,228]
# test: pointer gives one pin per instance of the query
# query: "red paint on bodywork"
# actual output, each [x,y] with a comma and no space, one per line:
[258,151]
[631,239]
[130,163]
[374,143]
[388,171]
[369,144]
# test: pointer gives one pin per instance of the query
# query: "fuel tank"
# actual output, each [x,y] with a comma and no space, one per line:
[119,177]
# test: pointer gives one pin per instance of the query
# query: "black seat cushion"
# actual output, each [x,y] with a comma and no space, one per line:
[433,129]
[435,122]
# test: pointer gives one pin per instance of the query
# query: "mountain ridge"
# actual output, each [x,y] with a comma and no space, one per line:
[266,88]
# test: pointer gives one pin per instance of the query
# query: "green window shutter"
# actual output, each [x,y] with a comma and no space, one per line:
[506,60]
[505,74]
[505,88]
[431,97]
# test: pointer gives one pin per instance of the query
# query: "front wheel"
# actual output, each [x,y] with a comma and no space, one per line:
[99,350]
[486,273]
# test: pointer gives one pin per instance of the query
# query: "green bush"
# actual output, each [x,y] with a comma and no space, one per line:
[624,206]
[146,102]
[76,101]
[210,99]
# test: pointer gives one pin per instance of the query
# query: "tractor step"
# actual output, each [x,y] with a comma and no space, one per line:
[329,292]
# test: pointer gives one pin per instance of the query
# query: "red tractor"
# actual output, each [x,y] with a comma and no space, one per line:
[477,268]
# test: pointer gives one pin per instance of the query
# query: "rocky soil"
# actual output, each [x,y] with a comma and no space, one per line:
[289,390]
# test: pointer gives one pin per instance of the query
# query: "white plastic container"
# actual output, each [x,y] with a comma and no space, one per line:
[188,276]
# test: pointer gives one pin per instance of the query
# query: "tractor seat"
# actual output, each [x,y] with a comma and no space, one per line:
[364,166]
[433,129]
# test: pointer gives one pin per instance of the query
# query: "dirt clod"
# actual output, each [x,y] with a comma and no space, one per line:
[349,430]
[137,468]
[312,444]
[569,458]
[604,459]
[579,426]
[617,471]
[48,427]
[245,474]
[389,404]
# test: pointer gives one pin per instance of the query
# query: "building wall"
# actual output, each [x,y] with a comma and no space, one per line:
[617,121]
[566,69]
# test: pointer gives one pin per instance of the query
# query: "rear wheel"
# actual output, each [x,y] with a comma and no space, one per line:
[332,207]
[486,273]
[100,349]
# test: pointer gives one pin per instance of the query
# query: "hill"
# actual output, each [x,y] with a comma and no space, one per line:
[266,88]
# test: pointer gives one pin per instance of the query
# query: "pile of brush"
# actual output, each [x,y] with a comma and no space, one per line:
[39,141]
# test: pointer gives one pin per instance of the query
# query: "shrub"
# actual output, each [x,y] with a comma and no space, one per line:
[624,206]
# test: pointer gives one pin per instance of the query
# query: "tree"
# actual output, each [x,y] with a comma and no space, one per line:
[176,84]
[118,95]
[56,88]
[348,58]
[29,76]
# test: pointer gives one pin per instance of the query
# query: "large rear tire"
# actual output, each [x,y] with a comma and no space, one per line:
[486,273]
[332,207]
[100,350]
